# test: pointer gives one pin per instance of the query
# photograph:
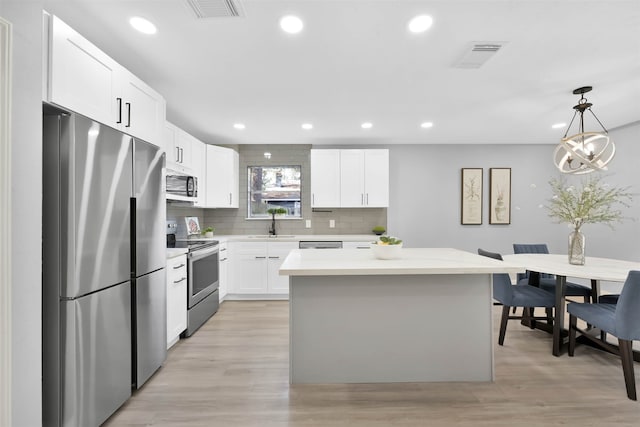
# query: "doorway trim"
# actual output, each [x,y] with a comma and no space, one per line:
[5,222]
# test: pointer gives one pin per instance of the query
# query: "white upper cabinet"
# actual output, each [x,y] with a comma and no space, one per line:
[352,192]
[325,178]
[376,178]
[81,76]
[222,177]
[178,145]
[83,79]
[198,167]
[143,109]
[350,178]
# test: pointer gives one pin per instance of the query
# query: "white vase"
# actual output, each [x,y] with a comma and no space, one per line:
[576,247]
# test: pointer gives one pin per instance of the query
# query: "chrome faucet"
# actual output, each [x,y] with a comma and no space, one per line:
[272,229]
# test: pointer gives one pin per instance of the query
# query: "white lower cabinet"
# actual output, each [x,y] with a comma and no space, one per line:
[360,245]
[277,252]
[176,298]
[256,265]
[223,271]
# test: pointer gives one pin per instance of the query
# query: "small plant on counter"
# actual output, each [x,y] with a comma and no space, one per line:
[388,240]
[208,230]
[378,230]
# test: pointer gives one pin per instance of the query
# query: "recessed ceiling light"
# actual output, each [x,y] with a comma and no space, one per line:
[426,125]
[558,125]
[143,25]
[307,126]
[291,24]
[366,125]
[239,126]
[420,24]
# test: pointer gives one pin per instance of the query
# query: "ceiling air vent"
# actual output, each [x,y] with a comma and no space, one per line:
[215,8]
[478,53]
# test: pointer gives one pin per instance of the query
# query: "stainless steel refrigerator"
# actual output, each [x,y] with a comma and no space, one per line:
[104,291]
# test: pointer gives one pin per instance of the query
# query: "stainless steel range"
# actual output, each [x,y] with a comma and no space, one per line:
[202,277]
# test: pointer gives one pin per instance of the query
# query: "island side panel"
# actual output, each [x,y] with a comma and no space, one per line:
[411,328]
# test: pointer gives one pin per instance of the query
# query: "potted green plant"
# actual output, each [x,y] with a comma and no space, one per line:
[388,247]
[208,232]
[378,230]
[277,211]
[274,212]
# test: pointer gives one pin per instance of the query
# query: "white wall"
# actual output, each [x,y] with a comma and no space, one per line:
[26,209]
[425,197]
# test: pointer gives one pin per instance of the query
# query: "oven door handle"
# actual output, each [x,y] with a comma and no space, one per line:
[202,253]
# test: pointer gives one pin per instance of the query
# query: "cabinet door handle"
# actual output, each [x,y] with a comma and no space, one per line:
[367,199]
[223,249]
[230,199]
[119,100]
[313,199]
[261,257]
[274,257]
[181,280]
[361,199]
[181,155]
[128,104]
[177,154]
[223,259]
[175,267]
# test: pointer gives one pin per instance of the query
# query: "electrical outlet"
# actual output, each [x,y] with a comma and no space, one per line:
[307,223]
[332,223]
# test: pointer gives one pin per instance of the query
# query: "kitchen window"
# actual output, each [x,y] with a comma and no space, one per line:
[273,187]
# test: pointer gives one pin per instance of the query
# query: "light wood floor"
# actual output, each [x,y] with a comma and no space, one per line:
[234,372]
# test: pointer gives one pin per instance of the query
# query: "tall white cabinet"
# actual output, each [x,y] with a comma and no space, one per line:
[222,177]
[84,79]
[350,178]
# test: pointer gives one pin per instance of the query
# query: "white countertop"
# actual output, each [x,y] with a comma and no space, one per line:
[351,262]
[174,252]
[291,237]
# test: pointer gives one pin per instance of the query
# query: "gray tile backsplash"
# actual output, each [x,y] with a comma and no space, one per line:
[233,221]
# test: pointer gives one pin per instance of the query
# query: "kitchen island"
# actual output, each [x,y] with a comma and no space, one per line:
[421,318]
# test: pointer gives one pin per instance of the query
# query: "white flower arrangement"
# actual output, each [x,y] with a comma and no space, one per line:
[594,202]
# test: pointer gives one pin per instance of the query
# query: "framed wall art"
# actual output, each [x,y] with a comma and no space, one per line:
[471,196]
[500,196]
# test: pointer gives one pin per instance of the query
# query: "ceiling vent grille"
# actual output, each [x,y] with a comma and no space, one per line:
[215,8]
[478,53]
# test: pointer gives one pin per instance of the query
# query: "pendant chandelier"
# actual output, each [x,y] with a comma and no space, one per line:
[583,152]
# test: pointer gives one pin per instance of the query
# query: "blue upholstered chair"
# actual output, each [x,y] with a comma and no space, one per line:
[548,281]
[516,296]
[621,320]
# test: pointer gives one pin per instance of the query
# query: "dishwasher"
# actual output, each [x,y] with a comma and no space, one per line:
[320,244]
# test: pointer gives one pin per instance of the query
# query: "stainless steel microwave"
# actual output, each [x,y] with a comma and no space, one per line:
[185,187]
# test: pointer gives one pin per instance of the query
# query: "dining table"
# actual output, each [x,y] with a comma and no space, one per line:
[594,269]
